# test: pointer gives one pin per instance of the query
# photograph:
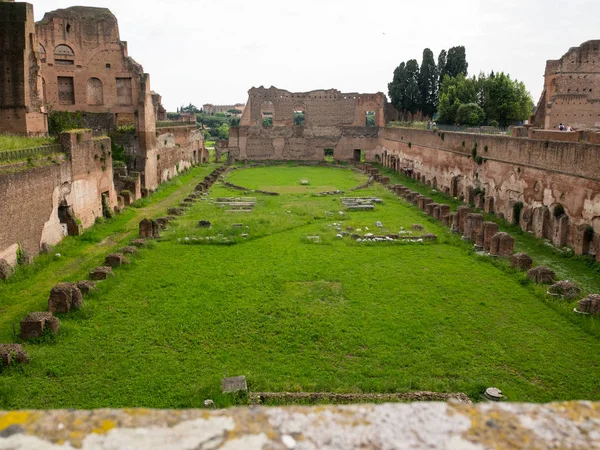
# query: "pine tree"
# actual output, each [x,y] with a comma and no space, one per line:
[456,62]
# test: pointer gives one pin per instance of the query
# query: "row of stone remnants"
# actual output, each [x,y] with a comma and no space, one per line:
[374,173]
[64,298]
[487,237]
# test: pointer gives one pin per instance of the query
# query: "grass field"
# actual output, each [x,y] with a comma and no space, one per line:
[292,314]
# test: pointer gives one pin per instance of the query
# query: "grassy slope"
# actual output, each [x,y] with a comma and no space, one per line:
[291,315]
[10,142]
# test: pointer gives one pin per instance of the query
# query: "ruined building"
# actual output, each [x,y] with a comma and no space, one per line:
[278,124]
[209,108]
[571,92]
[22,109]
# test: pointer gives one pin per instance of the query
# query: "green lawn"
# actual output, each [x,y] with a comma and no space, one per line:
[291,314]
[10,142]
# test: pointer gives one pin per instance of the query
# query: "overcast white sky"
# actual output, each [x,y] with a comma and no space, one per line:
[213,51]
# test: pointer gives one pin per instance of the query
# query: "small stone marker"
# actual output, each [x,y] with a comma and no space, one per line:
[493,394]
[10,353]
[34,325]
[521,261]
[379,225]
[204,224]
[115,260]
[64,297]
[590,305]
[234,384]
[304,182]
[565,289]
[209,404]
[129,250]
[139,243]
[417,227]
[86,286]
[149,229]
[101,273]
[541,275]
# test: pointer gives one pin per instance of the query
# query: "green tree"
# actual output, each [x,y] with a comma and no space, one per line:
[428,86]
[412,96]
[455,92]
[504,100]
[224,131]
[397,87]
[441,68]
[470,114]
[456,62]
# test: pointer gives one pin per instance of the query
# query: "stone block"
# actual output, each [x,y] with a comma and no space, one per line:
[436,212]
[139,243]
[503,244]
[453,219]
[565,289]
[64,297]
[541,222]
[6,269]
[175,212]
[149,229]
[541,275]
[429,208]
[521,261]
[13,353]
[590,304]
[385,181]
[101,273]
[234,384]
[86,286]
[129,250]
[418,227]
[462,211]
[115,260]
[35,324]
[560,230]
[473,226]
[490,229]
[424,202]
[163,222]
[444,211]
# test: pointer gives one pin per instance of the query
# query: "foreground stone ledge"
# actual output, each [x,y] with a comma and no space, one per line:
[573,425]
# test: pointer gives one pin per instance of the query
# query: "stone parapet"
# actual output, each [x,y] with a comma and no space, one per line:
[401,426]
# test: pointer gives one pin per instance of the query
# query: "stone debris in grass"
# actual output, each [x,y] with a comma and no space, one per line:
[13,353]
[234,384]
[339,236]
[204,224]
[565,289]
[379,225]
[590,305]
[101,273]
[35,325]
[64,297]
[304,182]
[86,286]
[115,260]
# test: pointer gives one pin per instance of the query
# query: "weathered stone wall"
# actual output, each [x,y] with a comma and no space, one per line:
[506,170]
[571,92]
[178,148]
[415,426]
[32,198]
[21,105]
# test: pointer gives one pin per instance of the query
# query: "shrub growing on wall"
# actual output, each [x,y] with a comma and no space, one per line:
[60,121]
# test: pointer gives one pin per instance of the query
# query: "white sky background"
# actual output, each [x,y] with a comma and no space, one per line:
[213,51]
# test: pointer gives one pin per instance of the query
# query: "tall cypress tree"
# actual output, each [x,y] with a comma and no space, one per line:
[397,87]
[412,96]
[428,79]
[456,62]
[441,67]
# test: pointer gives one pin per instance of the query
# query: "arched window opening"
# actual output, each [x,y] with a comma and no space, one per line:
[42,53]
[64,55]
[267,111]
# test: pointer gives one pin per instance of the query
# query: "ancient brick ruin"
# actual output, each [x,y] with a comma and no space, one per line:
[571,92]
[333,124]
